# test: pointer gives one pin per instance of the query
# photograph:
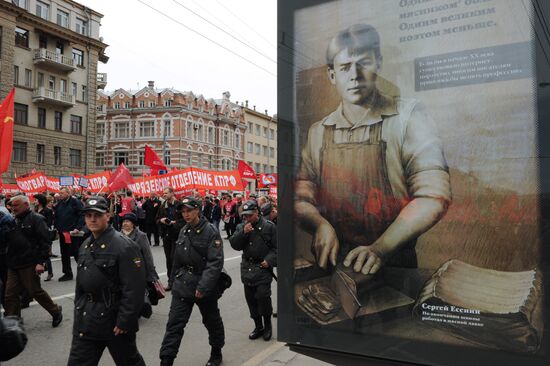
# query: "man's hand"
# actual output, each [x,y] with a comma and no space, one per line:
[74,231]
[325,245]
[264,264]
[367,260]
[118,331]
[248,228]
[39,269]
[198,294]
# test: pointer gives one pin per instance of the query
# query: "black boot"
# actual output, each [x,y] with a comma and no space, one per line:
[215,357]
[267,328]
[166,361]
[258,330]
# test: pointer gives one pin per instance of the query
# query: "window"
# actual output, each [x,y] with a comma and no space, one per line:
[81,26]
[57,155]
[264,150]
[41,118]
[85,95]
[168,103]
[28,78]
[141,104]
[141,157]
[265,168]
[63,85]
[21,37]
[126,105]
[22,3]
[59,47]
[258,151]
[40,154]
[121,157]
[167,127]
[75,157]
[58,121]
[272,168]
[265,132]
[249,147]
[51,83]
[152,104]
[122,130]
[211,135]
[257,167]
[200,134]
[21,112]
[166,156]
[42,40]
[62,18]
[117,105]
[74,89]
[147,129]
[210,162]
[15,75]
[258,128]
[199,160]
[76,124]
[237,141]
[39,79]
[271,152]
[225,138]
[19,151]
[100,130]
[271,134]
[99,159]
[189,132]
[189,159]
[78,57]
[250,127]
[43,10]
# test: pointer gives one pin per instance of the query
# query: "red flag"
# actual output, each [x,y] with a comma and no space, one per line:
[6,131]
[246,170]
[120,179]
[153,161]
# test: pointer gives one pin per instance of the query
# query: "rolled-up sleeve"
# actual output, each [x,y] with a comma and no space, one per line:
[308,178]
[423,159]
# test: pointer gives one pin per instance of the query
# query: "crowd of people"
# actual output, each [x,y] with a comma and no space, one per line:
[110,238]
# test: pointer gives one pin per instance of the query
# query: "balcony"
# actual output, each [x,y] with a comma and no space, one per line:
[43,57]
[101,80]
[42,94]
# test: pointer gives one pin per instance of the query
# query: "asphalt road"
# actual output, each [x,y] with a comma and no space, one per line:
[50,346]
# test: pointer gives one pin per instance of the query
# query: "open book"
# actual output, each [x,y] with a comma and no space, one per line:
[491,308]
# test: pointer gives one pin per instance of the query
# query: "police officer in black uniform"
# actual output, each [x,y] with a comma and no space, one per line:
[110,289]
[198,262]
[257,238]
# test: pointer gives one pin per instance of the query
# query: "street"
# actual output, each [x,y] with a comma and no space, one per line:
[50,346]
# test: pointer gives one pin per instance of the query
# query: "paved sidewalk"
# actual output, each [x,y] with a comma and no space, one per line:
[279,354]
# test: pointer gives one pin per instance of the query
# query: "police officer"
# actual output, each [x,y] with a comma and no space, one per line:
[110,289]
[257,238]
[198,262]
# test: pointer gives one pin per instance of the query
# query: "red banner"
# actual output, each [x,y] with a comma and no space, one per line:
[265,180]
[273,191]
[246,170]
[6,131]
[33,183]
[98,182]
[120,179]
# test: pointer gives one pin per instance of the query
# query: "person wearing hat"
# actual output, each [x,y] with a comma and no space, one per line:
[198,262]
[131,230]
[257,238]
[110,289]
[269,212]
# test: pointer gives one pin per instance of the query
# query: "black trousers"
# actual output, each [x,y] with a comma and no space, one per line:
[169,246]
[180,311]
[68,250]
[122,348]
[258,299]
[152,229]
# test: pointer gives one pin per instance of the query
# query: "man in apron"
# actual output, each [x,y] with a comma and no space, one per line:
[373,175]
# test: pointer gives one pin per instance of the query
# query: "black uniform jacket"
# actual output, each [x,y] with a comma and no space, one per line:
[141,240]
[110,286]
[28,242]
[257,246]
[198,261]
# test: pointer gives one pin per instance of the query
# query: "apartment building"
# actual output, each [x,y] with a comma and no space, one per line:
[184,129]
[260,141]
[49,52]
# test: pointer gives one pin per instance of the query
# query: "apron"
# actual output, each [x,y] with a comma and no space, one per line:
[355,194]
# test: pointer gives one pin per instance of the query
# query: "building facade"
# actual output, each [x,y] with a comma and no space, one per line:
[184,130]
[49,52]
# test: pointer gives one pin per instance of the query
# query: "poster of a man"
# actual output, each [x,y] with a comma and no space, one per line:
[373,175]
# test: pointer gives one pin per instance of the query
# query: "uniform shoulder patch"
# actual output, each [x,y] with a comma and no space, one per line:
[137,261]
[217,243]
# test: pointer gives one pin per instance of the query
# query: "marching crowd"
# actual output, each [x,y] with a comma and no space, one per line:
[110,237]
